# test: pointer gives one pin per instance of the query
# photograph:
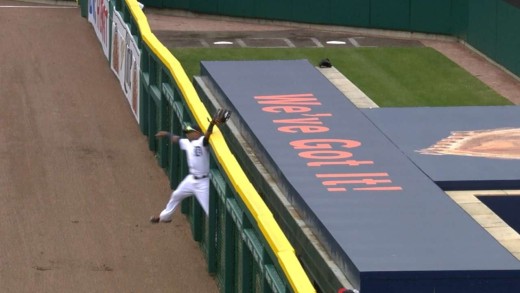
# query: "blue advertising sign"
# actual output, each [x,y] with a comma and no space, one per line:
[385,222]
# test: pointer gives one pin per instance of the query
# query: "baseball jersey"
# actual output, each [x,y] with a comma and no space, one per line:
[197,155]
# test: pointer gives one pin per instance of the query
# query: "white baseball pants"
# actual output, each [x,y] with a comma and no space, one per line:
[188,187]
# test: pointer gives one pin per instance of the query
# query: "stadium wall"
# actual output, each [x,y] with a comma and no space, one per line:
[490,26]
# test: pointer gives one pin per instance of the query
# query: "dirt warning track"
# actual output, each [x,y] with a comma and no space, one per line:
[77,181]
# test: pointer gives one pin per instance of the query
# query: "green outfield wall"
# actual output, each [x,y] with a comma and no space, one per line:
[494,29]
[243,244]
[490,26]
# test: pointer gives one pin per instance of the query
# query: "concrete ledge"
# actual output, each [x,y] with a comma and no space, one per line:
[349,89]
[490,221]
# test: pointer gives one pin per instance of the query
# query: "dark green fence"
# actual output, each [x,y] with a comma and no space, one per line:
[490,26]
[494,29]
[243,245]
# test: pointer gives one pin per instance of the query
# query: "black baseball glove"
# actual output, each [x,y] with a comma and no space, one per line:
[221,116]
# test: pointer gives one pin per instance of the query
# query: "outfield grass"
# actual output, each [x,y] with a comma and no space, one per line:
[392,77]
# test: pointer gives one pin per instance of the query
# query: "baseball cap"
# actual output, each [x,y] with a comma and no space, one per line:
[190,128]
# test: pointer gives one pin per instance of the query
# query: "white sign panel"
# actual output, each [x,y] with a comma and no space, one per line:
[98,16]
[125,58]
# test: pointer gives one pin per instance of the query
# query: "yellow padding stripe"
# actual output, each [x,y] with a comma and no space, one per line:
[275,237]
[270,229]
[239,180]
[291,266]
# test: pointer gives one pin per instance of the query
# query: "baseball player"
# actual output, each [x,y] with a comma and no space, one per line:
[196,146]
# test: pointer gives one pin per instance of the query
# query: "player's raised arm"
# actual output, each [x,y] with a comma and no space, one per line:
[220,117]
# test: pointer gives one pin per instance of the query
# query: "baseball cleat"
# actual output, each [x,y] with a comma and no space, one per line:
[156,219]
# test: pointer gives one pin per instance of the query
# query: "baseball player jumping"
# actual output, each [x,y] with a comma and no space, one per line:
[196,146]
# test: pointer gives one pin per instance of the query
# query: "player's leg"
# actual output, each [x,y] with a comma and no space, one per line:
[181,192]
[202,194]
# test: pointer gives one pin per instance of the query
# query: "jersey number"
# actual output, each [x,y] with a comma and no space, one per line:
[198,151]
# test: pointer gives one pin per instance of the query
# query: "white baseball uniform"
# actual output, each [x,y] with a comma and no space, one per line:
[197,182]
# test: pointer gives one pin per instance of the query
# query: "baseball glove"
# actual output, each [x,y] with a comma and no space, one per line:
[221,116]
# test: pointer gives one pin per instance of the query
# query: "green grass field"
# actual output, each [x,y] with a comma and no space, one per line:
[391,77]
